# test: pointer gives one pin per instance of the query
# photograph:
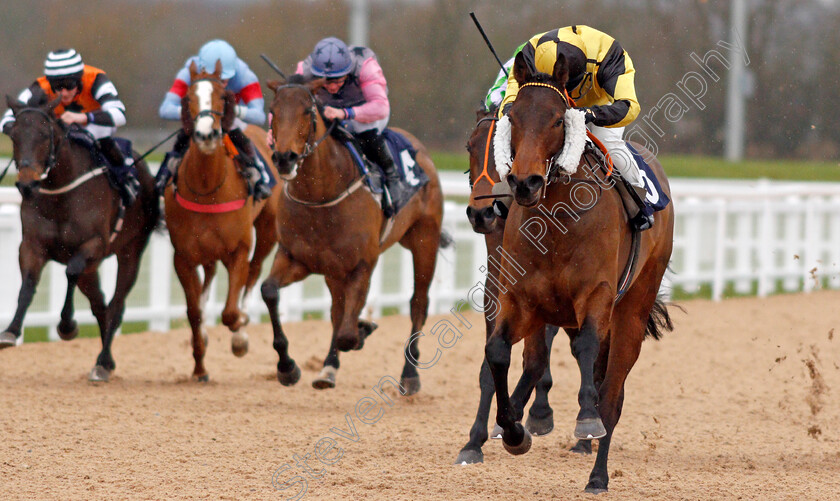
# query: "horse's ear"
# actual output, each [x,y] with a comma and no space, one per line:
[52,105]
[316,85]
[521,71]
[193,71]
[275,84]
[561,70]
[217,72]
[13,104]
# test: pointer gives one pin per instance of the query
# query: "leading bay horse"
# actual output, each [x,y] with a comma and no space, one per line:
[571,240]
[211,216]
[330,227]
[71,215]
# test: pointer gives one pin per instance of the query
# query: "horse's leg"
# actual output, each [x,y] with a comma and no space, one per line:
[585,347]
[471,453]
[284,271]
[91,288]
[232,316]
[522,392]
[625,343]
[128,266]
[68,328]
[515,437]
[584,446]
[188,276]
[31,265]
[326,378]
[266,238]
[423,240]
[541,417]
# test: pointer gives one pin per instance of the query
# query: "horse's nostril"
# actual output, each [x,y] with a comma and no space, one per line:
[470,212]
[487,213]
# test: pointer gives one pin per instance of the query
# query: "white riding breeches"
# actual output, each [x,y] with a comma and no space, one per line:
[100,131]
[622,158]
[357,127]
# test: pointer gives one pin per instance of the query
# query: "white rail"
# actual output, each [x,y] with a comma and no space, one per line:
[731,237]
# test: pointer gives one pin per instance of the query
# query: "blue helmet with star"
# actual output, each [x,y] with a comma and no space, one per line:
[331,58]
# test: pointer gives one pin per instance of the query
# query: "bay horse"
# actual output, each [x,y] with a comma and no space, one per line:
[211,216]
[568,273]
[488,217]
[329,227]
[71,215]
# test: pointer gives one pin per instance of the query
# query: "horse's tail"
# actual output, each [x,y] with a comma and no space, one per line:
[659,320]
[446,240]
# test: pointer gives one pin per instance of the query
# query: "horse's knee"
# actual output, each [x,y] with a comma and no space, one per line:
[497,351]
[270,291]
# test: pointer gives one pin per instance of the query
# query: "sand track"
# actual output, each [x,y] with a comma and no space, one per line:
[741,401]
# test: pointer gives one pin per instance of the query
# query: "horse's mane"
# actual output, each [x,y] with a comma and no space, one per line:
[297,79]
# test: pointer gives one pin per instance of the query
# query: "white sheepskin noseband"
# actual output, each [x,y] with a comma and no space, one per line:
[568,158]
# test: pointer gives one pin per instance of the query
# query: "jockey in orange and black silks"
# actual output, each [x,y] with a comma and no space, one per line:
[601,82]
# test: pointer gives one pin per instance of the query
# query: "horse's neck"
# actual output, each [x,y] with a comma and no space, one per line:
[204,173]
[71,162]
[325,174]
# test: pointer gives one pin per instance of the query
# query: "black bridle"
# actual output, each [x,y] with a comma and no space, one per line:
[208,113]
[313,110]
[51,157]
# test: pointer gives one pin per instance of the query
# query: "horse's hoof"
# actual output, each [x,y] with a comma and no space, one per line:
[496,434]
[291,377]
[239,343]
[521,448]
[325,379]
[244,320]
[540,426]
[411,385]
[68,331]
[365,329]
[469,456]
[582,447]
[204,378]
[590,428]
[345,343]
[99,374]
[8,340]
[595,487]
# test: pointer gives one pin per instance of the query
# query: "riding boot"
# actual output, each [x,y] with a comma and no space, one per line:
[122,169]
[375,149]
[170,165]
[633,198]
[253,170]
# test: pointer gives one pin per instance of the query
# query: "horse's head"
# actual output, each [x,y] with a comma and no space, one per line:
[207,109]
[295,122]
[483,175]
[537,129]
[36,135]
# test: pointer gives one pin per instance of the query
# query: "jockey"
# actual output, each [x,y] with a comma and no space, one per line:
[238,78]
[356,93]
[600,82]
[89,99]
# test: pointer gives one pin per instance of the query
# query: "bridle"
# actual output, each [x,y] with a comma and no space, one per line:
[51,157]
[484,173]
[208,112]
[310,146]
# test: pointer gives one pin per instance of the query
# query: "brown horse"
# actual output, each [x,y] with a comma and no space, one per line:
[568,272]
[70,214]
[488,217]
[210,215]
[329,227]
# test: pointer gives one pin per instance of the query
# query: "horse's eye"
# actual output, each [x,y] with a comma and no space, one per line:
[558,123]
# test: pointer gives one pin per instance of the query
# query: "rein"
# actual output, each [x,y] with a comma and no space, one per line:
[310,148]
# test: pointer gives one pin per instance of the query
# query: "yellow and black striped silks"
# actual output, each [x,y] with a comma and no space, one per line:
[601,72]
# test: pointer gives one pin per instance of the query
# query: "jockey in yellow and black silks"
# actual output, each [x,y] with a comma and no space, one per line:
[601,82]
